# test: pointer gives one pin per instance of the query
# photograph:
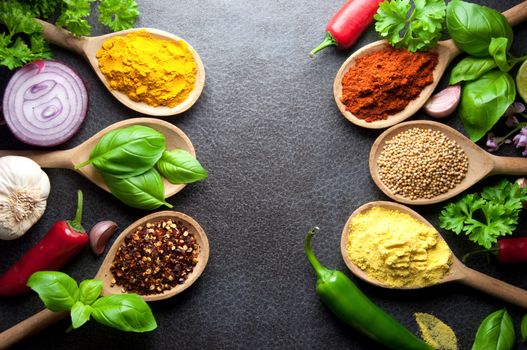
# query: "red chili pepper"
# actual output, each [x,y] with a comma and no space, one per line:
[347,25]
[63,241]
[510,250]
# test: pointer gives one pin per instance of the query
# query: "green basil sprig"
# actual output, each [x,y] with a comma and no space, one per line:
[471,68]
[180,167]
[127,152]
[144,191]
[496,332]
[484,101]
[473,26]
[59,292]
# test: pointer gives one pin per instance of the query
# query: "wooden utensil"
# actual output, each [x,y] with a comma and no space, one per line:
[175,138]
[480,163]
[46,318]
[87,47]
[446,51]
[458,271]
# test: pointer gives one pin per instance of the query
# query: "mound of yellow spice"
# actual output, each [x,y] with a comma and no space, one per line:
[148,69]
[397,250]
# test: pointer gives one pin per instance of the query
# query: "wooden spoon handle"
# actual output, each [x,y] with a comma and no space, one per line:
[52,159]
[517,14]
[509,165]
[63,38]
[29,326]
[494,287]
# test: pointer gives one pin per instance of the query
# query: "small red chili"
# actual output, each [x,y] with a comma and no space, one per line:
[508,251]
[347,25]
[63,241]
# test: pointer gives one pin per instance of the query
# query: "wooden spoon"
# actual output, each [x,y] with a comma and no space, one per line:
[46,318]
[480,163]
[87,47]
[446,51]
[458,271]
[175,138]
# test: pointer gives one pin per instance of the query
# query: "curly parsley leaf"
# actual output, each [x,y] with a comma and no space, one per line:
[118,14]
[486,216]
[415,27]
[15,49]
[43,8]
[73,17]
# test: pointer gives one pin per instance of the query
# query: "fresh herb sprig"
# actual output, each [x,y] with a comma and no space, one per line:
[60,292]
[485,216]
[416,27]
[495,332]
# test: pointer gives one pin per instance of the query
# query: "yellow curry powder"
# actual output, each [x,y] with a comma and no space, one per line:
[396,249]
[156,71]
[435,332]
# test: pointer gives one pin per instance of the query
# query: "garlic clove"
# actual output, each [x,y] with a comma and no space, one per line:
[99,235]
[444,102]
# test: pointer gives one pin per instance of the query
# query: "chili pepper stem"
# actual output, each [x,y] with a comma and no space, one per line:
[328,41]
[320,270]
[470,254]
[76,222]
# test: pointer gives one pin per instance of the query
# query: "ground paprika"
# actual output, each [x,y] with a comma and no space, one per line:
[382,83]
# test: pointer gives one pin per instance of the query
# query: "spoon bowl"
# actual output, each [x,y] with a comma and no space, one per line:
[87,47]
[175,138]
[446,51]
[458,271]
[46,318]
[480,163]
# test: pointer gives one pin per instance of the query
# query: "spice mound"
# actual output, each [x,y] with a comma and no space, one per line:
[382,83]
[147,69]
[435,332]
[421,163]
[155,257]
[396,249]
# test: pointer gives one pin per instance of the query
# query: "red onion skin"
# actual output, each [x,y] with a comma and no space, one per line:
[99,235]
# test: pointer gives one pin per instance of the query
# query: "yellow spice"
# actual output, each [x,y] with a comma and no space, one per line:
[396,249]
[435,332]
[156,71]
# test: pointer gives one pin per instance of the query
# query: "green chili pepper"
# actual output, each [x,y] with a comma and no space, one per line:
[346,301]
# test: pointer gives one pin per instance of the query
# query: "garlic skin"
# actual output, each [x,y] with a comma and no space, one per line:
[24,190]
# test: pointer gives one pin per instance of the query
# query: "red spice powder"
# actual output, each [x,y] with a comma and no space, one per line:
[384,82]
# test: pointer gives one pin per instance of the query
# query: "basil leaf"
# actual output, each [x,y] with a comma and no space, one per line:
[523,329]
[127,152]
[89,291]
[80,314]
[473,26]
[471,68]
[145,191]
[484,101]
[127,312]
[498,50]
[496,332]
[180,167]
[57,290]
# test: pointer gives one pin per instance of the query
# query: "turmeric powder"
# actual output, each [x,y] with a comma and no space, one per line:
[148,69]
[397,250]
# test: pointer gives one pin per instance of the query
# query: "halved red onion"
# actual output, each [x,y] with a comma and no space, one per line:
[45,103]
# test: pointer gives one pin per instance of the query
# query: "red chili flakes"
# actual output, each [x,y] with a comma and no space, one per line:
[155,257]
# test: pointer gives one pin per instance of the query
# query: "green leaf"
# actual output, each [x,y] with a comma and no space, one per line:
[471,68]
[127,312]
[118,14]
[145,191]
[180,167]
[523,329]
[73,17]
[498,51]
[415,27]
[58,291]
[89,291]
[484,101]
[80,314]
[473,26]
[496,332]
[127,152]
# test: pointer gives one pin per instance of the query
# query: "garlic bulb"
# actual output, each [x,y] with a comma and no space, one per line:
[24,189]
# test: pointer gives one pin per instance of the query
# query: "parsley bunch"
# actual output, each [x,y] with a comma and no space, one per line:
[416,27]
[486,216]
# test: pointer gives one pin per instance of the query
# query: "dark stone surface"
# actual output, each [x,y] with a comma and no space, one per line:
[281,159]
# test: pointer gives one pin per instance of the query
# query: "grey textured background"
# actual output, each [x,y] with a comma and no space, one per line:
[281,159]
